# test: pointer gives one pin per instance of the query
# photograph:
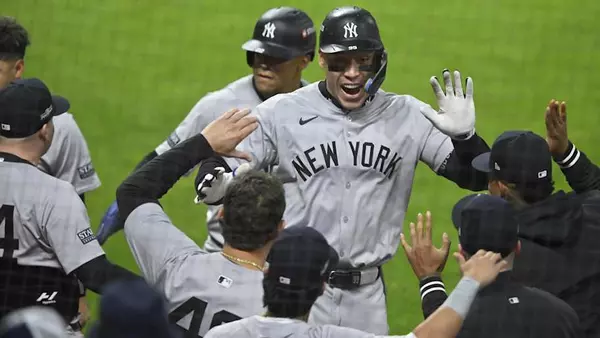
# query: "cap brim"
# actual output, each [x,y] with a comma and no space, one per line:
[61,105]
[459,207]
[482,162]
[271,49]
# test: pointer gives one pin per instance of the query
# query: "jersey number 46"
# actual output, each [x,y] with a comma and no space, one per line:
[198,308]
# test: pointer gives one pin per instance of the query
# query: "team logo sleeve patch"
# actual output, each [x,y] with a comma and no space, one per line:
[86,236]
[86,171]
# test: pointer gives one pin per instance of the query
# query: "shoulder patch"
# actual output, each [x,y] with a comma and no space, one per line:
[86,171]
[173,139]
[86,236]
[225,282]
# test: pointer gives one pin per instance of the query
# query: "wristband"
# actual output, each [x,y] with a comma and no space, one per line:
[462,297]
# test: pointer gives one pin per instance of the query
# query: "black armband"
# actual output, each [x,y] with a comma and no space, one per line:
[433,294]
[99,272]
[150,182]
[580,172]
[457,166]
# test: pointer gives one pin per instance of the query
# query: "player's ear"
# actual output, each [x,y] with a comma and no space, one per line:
[322,61]
[304,62]
[46,132]
[19,68]
[518,248]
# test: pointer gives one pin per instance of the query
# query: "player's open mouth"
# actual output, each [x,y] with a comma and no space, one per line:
[352,89]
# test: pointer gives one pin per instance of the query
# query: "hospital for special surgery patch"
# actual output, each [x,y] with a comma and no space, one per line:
[173,139]
[86,236]
[86,171]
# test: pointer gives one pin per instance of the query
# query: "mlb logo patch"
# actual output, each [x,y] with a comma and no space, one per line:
[225,282]
[173,139]
[513,300]
[86,236]
[86,171]
[5,127]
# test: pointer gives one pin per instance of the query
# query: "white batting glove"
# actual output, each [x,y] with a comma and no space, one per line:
[212,188]
[456,116]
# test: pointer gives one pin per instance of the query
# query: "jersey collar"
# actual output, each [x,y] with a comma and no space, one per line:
[323,89]
[8,157]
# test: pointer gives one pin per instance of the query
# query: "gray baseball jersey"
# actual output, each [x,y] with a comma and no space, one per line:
[238,94]
[202,289]
[69,157]
[43,220]
[257,326]
[349,175]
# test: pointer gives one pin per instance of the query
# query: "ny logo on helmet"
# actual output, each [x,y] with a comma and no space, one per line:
[269,30]
[350,30]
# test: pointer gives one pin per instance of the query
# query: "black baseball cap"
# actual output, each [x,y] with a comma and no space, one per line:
[26,105]
[519,157]
[486,222]
[300,259]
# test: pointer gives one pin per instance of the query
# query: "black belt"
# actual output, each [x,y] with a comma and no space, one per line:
[352,279]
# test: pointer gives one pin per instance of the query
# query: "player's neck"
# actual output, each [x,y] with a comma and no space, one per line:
[22,152]
[257,257]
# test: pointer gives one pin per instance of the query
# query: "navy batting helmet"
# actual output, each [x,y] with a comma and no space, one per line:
[284,33]
[349,29]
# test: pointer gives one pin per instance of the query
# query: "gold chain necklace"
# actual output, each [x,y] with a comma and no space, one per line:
[243,261]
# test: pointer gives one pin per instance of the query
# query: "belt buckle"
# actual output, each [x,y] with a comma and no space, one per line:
[344,279]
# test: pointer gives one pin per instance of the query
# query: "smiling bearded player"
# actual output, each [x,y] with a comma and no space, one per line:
[347,153]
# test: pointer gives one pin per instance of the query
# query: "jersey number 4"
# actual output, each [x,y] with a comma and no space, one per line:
[8,243]
[197,308]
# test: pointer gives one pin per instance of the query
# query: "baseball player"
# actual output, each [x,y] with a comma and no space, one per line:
[68,157]
[299,264]
[46,242]
[347,153]
[204,289]
[282,46]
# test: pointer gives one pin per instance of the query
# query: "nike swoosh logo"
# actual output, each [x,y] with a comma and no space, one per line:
[303,122]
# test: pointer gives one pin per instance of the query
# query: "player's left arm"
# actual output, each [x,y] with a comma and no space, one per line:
[73,162]
[451,143]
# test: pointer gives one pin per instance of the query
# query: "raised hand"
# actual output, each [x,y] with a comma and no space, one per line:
[483,267]
[556,127]
[228,130]
[424,258]
[456,114]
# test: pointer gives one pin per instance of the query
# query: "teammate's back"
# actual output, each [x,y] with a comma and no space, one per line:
[215,289]
[203,290]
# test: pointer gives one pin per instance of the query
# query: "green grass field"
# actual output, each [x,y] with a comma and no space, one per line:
[133,69]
